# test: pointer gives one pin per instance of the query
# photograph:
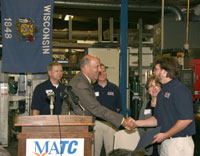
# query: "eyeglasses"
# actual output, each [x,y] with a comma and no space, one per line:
[102,72]
[155,86]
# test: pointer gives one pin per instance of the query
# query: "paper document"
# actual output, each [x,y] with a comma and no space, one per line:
[126,139]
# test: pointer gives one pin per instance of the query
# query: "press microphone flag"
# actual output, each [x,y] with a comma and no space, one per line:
[51,95]
[26,35]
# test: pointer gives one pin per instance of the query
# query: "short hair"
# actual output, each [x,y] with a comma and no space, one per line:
[85,60]
[170,64]
[4,152]
[121,152]
[49,67]
[102,65]
[150,79]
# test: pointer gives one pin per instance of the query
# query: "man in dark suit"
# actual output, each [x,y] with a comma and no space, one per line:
[81,86]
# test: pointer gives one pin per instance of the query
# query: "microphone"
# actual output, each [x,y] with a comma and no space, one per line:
[51,95]
[74,98]
[66,99]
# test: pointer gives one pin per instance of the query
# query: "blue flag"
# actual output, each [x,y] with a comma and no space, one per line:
[26,35]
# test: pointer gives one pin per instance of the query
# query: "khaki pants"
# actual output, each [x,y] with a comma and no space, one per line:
[180,146]
[103,134]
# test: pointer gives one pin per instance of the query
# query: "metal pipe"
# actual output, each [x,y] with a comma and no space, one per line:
[162,25]
[111,28]
[123,54]
[117,6]
[70,28]
[140,51]
[75,34]
[99,29]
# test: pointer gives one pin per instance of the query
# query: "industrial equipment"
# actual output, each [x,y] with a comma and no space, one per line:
[3,108]
[4,114]
[195,66]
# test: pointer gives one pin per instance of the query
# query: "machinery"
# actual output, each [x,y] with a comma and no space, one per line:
[15,100]
[3,108]
[195,65]
[4,114]
[21,87]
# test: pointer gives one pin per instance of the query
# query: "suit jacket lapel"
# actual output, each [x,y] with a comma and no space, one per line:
[90,86]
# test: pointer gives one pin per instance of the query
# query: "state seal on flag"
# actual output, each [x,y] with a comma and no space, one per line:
[26,29]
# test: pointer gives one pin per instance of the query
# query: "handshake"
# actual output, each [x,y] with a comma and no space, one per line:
[129,123]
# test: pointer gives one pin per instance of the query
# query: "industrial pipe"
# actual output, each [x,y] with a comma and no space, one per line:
[117,6]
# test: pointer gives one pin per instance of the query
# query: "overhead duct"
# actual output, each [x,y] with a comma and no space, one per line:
[116,6]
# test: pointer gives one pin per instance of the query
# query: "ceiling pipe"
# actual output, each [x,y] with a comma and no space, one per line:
[116,6]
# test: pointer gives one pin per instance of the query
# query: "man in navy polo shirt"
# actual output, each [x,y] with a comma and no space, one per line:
[41,102]
[173,112]
[108,94]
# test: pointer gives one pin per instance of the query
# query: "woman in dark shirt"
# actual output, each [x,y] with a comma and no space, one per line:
[153,88]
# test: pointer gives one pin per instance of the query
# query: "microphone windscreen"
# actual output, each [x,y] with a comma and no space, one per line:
[50,93]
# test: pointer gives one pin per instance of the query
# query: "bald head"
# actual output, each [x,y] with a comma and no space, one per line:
[90,65]
[86,60]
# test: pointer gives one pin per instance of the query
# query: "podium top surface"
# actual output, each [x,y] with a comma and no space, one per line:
[51,120]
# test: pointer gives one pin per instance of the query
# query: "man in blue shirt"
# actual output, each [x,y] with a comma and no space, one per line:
[173,112]
[108,94]
[41,101]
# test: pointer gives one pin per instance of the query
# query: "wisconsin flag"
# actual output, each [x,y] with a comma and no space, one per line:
[26,35]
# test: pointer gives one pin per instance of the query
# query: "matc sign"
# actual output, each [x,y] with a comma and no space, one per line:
[55,147]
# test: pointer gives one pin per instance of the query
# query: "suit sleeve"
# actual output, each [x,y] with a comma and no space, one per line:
[93,107]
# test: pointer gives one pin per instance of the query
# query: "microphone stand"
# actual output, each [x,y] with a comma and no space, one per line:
[81,108]
[51,105]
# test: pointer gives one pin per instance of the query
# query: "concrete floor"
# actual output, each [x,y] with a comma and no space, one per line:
[12,147]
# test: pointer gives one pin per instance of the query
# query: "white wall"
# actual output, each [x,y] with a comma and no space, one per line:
[110,58]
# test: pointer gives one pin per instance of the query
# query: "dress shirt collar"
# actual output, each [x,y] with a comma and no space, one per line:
[87,78]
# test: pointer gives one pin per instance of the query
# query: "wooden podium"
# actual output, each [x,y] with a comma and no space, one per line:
[47,126]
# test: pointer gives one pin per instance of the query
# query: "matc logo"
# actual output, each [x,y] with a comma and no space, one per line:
[55,147]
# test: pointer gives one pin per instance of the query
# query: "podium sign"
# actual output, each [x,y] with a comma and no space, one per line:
[55,135]
[55,147]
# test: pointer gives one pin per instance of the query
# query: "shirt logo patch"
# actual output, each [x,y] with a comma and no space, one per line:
[167,95]
[110,93]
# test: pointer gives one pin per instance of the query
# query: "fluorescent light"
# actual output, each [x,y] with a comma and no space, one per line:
[67,17]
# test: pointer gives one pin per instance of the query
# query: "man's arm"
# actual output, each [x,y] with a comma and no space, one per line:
[36,100]
[149,122]
[178,126]
[35,112]
[129,123]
